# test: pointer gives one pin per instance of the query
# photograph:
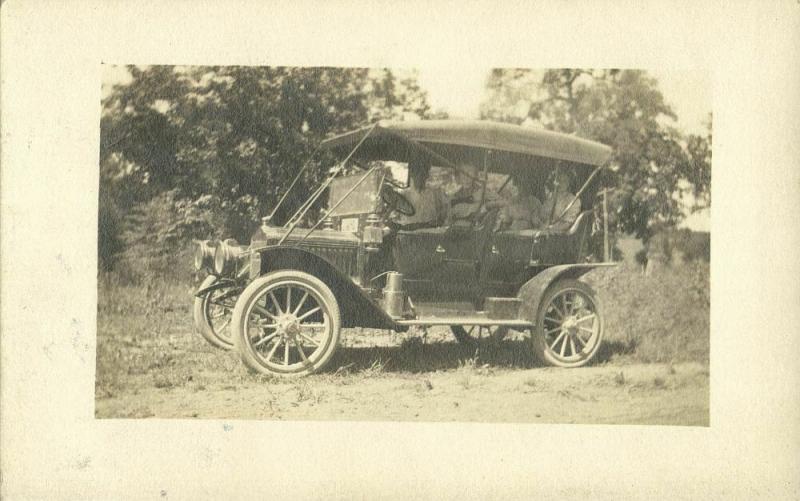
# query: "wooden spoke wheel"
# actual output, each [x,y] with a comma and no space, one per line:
[471,335]
[212,314]
[569,327]
[286,323]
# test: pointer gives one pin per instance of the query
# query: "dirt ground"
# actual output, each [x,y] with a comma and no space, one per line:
[389,376]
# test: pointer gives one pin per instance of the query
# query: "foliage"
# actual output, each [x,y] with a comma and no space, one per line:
[693,245]
[109,243]
[698,173]
[660,318]
[156,233]
[391,97]
[652,163]
[229,140]
[681,245]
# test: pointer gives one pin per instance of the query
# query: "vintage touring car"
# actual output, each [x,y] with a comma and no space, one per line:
[282,300]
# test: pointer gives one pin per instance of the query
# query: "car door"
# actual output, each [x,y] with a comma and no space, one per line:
[505,261]
[417,255]
[460,256]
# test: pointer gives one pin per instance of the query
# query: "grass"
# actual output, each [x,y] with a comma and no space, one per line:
[144,333]
[145,338]
[663,318]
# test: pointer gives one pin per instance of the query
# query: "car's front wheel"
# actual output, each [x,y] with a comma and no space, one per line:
[212,314]
[286,323]
[569,325]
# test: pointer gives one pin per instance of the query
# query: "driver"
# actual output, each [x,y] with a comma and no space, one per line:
[466,201]
[430,203]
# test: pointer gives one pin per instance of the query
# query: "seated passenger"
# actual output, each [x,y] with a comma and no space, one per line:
[523,212]
[430,204]
[470,200]
[557,199]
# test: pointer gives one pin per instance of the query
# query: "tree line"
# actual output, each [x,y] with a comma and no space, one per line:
[195,152]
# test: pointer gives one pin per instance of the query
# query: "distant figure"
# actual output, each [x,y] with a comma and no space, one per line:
[430,204]
[557,198]
[523,212]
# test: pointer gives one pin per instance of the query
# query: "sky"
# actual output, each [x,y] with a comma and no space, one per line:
[459,92]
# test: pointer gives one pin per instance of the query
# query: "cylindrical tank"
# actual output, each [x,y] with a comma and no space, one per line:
[393,296]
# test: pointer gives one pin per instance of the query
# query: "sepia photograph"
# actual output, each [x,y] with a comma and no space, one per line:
[399,250]
[342,243]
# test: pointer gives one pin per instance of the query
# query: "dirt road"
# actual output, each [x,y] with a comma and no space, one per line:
[180,377]
[637,394]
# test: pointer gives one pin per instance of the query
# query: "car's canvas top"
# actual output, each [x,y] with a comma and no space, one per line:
[485,135]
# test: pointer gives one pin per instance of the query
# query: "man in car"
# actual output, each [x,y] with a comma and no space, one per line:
[430,204]
[465,203]
[557,200]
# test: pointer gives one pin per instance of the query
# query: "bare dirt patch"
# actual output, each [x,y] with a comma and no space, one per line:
[378,376]
[650,394]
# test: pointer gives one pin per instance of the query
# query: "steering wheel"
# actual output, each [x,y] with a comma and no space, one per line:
[397,201]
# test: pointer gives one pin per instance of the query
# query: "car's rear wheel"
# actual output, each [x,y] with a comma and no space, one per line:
[212,314]
[286,323]
[471,335]
[569,325]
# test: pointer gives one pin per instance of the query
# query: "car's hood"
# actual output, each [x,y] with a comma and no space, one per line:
[273,235]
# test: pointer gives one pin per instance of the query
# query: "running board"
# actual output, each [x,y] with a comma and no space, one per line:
[480,321]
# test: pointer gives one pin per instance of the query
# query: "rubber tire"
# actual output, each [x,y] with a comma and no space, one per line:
[252,292]
[540,349]
[461,335]
[201,322]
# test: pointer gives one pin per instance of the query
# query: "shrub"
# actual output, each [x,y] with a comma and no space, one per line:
[158,235]
[681,245]
[693,245]
[109,221]
[657,318]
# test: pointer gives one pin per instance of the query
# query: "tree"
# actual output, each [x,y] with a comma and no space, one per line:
[652,163]
[698,172]
[229,140]
[394,97]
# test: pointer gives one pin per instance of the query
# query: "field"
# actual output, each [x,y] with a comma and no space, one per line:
[654,369]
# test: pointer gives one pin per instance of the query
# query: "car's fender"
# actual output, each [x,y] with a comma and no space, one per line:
[533,290]
[357,308]
[221,283]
